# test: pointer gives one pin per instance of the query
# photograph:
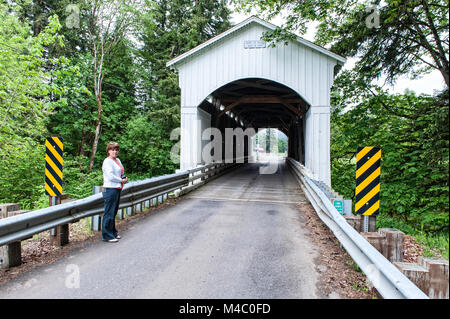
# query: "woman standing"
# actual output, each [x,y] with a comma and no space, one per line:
[113,181]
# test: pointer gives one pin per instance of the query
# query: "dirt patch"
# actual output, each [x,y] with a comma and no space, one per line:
[340,277]
[39,251]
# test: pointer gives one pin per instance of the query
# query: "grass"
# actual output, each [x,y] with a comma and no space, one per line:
[353,265]
[435,244]
[357,287]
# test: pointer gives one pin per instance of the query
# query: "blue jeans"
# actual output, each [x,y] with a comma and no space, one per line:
[112,199]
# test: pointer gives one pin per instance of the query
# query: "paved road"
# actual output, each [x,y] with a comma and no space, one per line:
[240,236]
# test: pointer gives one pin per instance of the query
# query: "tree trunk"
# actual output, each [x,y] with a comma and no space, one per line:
[97,132]
[83,134]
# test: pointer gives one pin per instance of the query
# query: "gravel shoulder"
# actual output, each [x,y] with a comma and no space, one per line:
[340,277]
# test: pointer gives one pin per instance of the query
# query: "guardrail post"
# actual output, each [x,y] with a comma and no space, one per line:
[59,236]
[11,255]
[394,243]
[438,269]
[203,171]
[348,207]
[416,273]
[377,240]
[120,213]
[96,221]
[9,207]
[354,221]
[429,274]
[130,211]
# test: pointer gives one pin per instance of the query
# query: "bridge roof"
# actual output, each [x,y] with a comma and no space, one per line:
[253,19]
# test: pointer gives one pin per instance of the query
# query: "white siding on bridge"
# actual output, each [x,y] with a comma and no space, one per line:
[303,69]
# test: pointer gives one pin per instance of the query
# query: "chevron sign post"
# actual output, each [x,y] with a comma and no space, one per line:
[367,192]
[53,166]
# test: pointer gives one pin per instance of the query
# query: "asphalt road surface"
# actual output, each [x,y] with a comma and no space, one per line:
[239,236]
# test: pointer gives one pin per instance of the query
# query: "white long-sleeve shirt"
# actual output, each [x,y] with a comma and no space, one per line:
[112,173]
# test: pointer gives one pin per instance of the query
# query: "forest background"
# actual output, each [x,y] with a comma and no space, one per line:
[94,71]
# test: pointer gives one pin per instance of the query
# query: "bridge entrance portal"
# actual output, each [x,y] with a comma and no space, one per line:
[237,81]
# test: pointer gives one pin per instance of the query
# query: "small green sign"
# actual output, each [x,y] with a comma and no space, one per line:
[339,205]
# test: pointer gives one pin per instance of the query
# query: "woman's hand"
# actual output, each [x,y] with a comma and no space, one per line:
[125,180]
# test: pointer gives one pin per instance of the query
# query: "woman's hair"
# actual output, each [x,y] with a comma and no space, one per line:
[112,146]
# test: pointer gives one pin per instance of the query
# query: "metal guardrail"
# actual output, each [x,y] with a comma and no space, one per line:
[21,227]
[384,276]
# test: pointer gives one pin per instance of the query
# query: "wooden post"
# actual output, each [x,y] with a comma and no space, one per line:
[416,273]
[377,240]
[6,208]
[354,221]
[438,269]
[11,255]
[394,243]
[59,236]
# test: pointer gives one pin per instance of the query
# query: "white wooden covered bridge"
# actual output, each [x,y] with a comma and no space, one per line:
[237,80]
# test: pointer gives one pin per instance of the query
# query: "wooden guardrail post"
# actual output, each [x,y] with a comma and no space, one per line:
[438,269]
[11,254]
[59,236]
[5,209]
[394,240]
[429,274]
[388,241]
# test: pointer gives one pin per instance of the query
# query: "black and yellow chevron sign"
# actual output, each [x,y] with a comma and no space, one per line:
[53,166]
[367,193]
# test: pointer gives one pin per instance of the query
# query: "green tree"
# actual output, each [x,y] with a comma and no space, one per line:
[389,38]
[413,133]
[171,28]
[27,97]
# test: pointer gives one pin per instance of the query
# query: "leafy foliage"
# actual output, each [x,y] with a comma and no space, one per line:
[43,93]
[27,96]
[388,38]
[413,133]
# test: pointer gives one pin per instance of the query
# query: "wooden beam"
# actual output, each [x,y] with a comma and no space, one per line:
[277,110]
[229,107]
[262,99]
[291,107]
[228,92]
[263,87]
[259,109]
